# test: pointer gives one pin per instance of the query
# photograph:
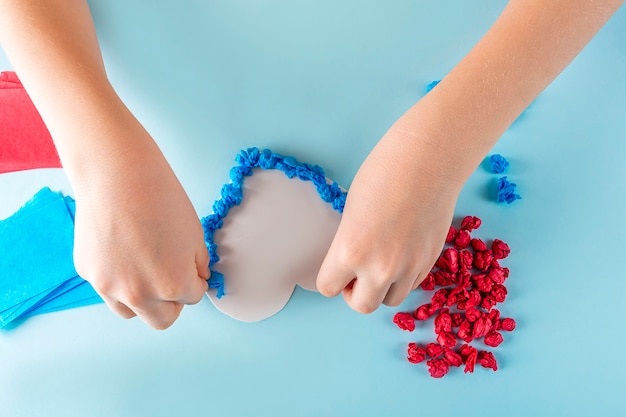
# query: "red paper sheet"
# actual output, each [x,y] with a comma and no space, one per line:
[25,142]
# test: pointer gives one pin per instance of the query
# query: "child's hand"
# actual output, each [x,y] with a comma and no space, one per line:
[402,199]
[138,240]
[397,215]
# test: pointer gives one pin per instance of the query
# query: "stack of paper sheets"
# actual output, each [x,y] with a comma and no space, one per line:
[36,266]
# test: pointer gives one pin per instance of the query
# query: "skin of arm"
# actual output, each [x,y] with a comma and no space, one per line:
[145,254]
[401,201]
[138,239]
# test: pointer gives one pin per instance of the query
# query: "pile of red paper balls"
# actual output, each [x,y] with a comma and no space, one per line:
[469,283]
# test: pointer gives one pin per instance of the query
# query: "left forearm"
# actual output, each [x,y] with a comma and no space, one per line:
[528,46]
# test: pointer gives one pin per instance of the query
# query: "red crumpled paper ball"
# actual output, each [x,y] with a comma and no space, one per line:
[472,314]
[452,358]
[443,322]
[415,353]
[429,282]
[423,312]
[405,321]
[469,354]
[446,340]
[462,239]
[449,260]
[487,360]
[470,223]
[437,368]
[478,245]
[434,350]
[500,249]
[508,324]
[451,234]
[493,339]
[482,260]
[499,293]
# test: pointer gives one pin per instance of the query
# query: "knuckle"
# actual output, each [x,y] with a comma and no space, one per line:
[127,315]
[349,252]
[134,298]
[381,278]
[171,287]
[364,307]
[100,283]
[394,300]
[165,317]
[101,286]
[122,310]
[398,292]
[170,292]
[168,287]
[197,298]
[161,324]
[326,289]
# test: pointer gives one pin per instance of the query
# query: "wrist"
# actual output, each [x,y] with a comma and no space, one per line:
[105,144]
[438,134]
[432,155]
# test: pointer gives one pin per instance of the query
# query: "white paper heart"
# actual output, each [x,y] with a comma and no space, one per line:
[276,238]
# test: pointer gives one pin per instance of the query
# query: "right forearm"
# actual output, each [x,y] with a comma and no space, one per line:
[53,47]
[137,238]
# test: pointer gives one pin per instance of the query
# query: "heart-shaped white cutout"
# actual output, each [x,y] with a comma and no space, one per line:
[276,238]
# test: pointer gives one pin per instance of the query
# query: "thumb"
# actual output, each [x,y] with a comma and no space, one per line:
[334,274]
[202,262]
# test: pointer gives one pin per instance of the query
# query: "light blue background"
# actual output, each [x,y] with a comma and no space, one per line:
[323,80]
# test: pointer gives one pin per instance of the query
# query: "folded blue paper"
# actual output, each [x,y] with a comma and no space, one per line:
[36,270]
[80,295]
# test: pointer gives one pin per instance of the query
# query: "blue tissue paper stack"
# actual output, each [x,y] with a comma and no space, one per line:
[37,272]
